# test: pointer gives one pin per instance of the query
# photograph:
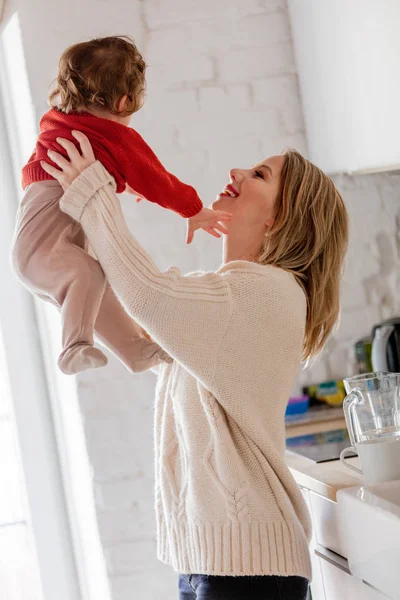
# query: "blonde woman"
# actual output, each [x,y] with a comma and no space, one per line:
[230,518]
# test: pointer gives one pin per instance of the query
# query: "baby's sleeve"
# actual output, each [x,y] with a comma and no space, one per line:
[145,173]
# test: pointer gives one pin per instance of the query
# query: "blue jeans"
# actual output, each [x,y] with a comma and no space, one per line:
[256,587]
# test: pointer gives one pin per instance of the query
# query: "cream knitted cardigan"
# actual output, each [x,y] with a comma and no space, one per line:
[226,503]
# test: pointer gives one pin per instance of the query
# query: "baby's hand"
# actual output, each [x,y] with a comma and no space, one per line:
[130,190]
[209,220]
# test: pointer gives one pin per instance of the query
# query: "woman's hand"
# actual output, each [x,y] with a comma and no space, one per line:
[77,163]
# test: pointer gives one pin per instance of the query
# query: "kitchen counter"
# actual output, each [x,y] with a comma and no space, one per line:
[319,483]
[322,478]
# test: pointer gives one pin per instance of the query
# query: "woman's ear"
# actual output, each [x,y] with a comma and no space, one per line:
[269,222]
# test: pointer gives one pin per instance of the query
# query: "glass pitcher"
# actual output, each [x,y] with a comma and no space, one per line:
[372,407]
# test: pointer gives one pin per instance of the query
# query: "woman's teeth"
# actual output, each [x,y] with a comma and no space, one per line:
[228,192]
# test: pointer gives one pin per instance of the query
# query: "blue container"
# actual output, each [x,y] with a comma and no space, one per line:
[297,406]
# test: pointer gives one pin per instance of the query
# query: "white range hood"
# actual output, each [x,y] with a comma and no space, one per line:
[348,59]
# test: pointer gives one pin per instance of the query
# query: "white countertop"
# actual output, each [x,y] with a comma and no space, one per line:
[323,478]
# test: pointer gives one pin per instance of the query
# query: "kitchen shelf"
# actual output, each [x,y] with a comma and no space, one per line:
[315,420]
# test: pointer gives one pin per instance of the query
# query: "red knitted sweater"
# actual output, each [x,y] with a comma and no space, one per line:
[122,151]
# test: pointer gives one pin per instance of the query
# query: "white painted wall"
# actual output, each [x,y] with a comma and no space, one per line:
[222,92]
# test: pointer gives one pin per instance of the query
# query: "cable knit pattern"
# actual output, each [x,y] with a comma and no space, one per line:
[226,503]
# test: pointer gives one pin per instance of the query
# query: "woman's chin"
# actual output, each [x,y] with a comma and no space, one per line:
[222,203]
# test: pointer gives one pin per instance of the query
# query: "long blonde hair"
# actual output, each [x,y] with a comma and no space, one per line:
[309,238]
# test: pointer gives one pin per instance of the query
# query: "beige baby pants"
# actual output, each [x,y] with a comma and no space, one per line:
[50,256]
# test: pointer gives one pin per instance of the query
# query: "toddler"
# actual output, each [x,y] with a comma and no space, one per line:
[99,85]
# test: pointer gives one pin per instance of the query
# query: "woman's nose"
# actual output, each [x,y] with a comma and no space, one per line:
[236,175]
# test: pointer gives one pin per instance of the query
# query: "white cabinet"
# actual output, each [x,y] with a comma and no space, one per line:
[326,530]
[348,61]
[317,586]
[339,584]
[332,579]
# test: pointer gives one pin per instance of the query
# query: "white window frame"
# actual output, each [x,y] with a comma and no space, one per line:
[46,410]
[38,448]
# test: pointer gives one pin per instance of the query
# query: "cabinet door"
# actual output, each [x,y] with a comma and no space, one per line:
[317,587]
[347,57]
[326,530]
[340,585]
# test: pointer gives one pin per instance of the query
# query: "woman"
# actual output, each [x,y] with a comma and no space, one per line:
[230,518]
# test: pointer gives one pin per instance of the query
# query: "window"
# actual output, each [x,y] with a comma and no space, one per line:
[19,572]
[46,497]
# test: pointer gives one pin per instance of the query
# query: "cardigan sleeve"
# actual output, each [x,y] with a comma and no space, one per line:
[147,175]
[187,315]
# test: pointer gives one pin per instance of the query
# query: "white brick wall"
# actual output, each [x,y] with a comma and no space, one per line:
[371,282]
[222,92]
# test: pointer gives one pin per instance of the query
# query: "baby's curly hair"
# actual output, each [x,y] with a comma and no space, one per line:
[98,74]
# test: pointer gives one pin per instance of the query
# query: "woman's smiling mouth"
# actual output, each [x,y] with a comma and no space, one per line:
[229,190]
